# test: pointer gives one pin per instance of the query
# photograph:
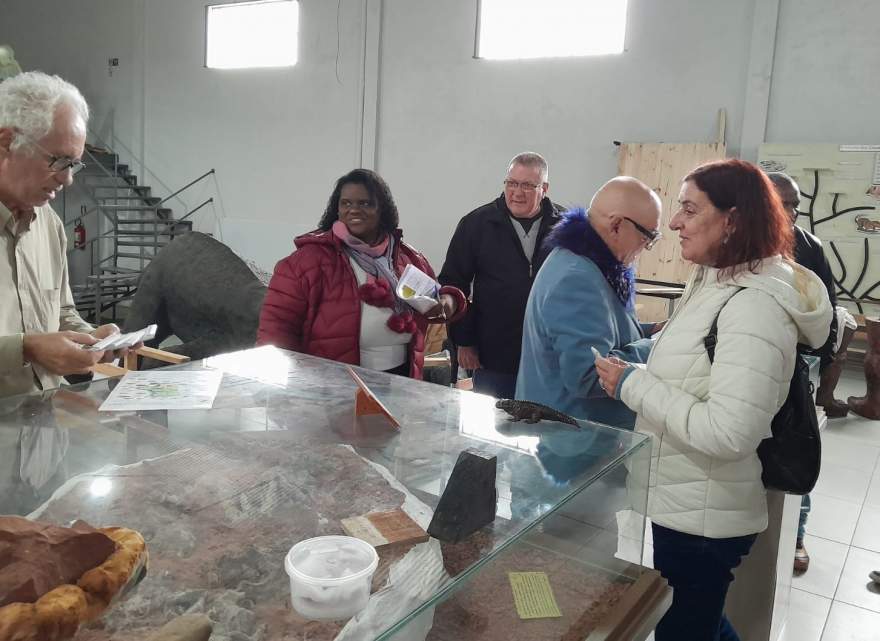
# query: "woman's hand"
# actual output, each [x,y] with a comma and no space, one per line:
[658,326]
[443,310]
[610,371]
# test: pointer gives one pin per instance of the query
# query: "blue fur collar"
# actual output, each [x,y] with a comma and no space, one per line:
[575,233]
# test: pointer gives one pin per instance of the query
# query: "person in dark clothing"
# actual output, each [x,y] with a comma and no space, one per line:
[497,249]
[809,253]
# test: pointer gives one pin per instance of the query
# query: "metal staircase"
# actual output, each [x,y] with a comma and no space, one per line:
[129,226]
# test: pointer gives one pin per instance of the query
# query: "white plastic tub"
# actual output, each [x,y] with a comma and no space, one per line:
[330,576]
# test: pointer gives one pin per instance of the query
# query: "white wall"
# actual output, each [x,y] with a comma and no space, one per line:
[825,73]
[48,35]
[447,123]
[278,138]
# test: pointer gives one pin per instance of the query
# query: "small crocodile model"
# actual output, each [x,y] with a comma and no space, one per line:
[533,412]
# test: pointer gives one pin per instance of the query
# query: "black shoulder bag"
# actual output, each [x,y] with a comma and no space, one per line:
[791,458]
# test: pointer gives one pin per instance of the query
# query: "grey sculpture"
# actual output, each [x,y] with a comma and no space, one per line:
[200,291]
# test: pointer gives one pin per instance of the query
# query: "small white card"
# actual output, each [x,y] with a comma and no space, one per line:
[164,390]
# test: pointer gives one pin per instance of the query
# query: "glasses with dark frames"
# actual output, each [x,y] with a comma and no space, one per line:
[652,235]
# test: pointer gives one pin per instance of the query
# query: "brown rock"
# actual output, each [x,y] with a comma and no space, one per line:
[38,557]
[189,627]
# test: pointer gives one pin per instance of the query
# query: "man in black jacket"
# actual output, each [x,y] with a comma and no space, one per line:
[499,248]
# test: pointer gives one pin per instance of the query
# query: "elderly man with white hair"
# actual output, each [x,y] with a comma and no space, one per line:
[42,136]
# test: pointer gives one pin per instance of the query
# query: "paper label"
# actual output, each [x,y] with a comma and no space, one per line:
[533,595]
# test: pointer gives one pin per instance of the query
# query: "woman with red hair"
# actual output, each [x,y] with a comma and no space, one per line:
[706,499]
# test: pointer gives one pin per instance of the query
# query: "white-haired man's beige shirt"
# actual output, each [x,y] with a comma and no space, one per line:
[34,295]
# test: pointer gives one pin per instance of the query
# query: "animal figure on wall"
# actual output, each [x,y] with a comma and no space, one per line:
[865,224]
[200,291]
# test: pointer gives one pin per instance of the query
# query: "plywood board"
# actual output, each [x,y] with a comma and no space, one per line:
[662,166]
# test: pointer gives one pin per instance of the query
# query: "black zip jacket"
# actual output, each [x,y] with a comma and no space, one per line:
[485,251]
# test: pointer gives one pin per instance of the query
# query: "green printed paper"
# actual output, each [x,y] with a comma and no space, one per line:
[533,595]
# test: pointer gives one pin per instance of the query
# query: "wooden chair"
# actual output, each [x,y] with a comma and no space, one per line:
[130,361]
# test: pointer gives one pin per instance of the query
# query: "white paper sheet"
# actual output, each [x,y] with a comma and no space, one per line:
[161,390]
[419,290]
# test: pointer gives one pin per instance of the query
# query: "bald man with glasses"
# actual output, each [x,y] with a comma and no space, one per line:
[42,137]
[583,303]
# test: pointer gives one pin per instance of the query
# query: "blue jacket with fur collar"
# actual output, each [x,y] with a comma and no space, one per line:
[582,297]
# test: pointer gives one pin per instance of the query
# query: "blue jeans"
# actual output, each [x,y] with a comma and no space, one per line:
[497,384]
[699,571]
[802,523]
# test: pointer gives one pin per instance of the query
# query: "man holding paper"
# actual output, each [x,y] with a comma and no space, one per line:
[42,137]
[353,291]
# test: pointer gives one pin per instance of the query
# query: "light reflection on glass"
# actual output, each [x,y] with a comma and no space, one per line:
[477,419]
[100,487]
[265,364]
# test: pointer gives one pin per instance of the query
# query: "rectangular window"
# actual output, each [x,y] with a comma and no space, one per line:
[510,29]
[245,35]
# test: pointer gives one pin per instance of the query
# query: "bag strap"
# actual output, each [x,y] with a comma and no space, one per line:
[711,339]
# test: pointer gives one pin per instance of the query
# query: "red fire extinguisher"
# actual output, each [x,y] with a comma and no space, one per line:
[79,235]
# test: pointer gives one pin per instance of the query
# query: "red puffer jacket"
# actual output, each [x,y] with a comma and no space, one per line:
[313,306]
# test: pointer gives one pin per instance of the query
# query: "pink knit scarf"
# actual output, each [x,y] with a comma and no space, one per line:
[374,251]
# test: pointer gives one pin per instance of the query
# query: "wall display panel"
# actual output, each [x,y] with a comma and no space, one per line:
[840,203]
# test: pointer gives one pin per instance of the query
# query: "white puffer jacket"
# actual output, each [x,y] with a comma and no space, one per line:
[708,419]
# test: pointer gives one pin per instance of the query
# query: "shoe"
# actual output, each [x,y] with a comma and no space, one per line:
[801,558]
[875,576]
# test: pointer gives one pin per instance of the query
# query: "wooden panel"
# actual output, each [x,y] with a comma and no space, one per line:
[638,612]
[162,355]
[108,369]
[662,166]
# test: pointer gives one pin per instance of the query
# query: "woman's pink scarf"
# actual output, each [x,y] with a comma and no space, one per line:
[377,291]
[342,233]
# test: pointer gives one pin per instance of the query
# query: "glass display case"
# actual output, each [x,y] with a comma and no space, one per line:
[221,495]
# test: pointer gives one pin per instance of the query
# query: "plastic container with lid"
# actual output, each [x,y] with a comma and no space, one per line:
[330,576]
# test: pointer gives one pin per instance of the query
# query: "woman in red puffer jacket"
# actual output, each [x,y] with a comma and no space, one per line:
[334,296]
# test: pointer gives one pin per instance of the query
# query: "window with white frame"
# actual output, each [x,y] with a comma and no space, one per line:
[245,35]
[509,29]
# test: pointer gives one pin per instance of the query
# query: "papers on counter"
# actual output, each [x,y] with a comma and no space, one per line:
[164,390]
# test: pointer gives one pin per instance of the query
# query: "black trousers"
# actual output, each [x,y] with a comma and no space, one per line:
[699,569]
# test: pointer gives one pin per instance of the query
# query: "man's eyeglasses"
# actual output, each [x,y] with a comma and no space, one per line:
[57,164]
[513,185]
[652,235]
